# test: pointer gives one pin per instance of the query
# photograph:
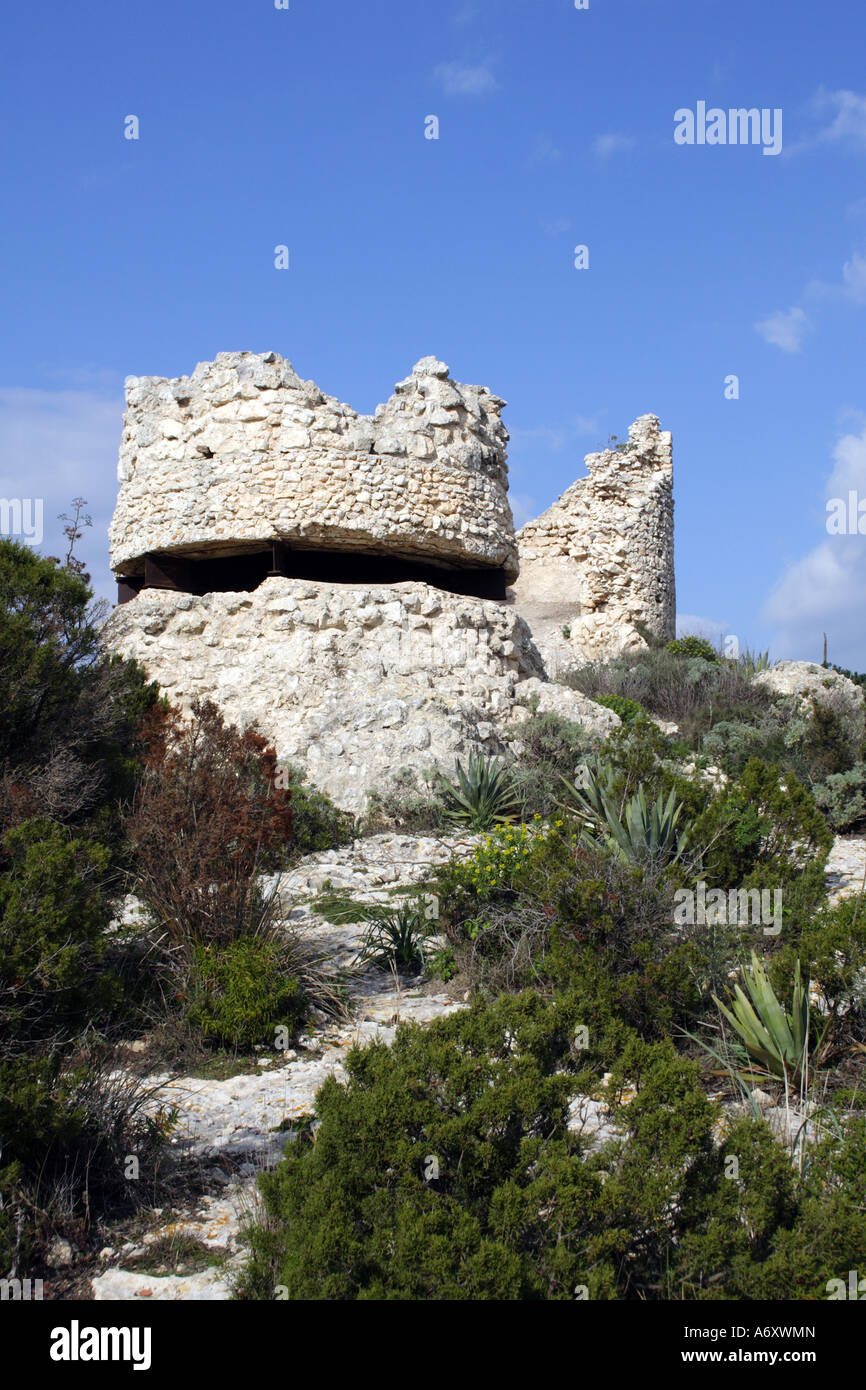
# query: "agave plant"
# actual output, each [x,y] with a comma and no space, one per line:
[638,832]
[773,1037]
[754,662]
[484,794]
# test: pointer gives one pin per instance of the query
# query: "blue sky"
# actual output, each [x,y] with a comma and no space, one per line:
[306,127]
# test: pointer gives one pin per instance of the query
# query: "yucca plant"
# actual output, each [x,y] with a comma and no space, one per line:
[777,1039]
[484,794]
[637,831]
[396,939]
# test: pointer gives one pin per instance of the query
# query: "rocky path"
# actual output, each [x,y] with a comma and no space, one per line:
[233,1127]
[846,868]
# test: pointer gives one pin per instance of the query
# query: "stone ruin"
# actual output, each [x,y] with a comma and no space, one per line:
[354,584]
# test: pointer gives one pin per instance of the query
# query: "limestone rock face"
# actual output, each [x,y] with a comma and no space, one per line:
[551,698]
[243,452]
[600,560]
[353,683]
[808,680]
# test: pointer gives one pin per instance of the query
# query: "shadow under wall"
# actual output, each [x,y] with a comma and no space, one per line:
[243,573]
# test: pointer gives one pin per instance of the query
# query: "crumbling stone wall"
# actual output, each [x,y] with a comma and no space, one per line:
[243,452]
[600,561]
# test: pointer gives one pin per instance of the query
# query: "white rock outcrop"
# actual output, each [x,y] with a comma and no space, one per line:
[807,680]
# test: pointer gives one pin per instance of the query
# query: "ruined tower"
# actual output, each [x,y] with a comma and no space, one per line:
[352,583]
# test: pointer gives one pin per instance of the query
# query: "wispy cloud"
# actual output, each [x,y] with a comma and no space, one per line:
[788,327]
[545,151]
[465,15]
[847,125]
[825,591]
[854,278]
[785,328]
[606,145]
[465,79]
[558,437]
[556,226]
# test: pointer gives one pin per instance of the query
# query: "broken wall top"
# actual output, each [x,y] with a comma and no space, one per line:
[243,452]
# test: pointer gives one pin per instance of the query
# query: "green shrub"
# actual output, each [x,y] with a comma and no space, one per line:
[69,1121]
[317,824]
[833,941]
[694,647]
[765,831]
[842,798]
[813,744]
[695,692]
[628,710]
[69,749]
[534,906]
[54,908]
[857,677]
[445,1169]
[412,803]
[551,748]
[238,994]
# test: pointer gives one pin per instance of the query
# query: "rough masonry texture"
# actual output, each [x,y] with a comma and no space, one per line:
[244,452]
[599,563]
[351,682]
[349,674]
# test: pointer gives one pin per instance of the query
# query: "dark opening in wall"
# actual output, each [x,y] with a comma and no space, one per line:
[243,573]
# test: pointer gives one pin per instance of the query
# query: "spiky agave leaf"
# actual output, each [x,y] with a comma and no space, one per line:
[485,794]
[772,1036]
[637,832]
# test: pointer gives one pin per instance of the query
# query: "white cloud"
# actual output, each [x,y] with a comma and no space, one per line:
[58,445]
[786,329]
[825,591]
[848,125]
[463,79]
[606,145]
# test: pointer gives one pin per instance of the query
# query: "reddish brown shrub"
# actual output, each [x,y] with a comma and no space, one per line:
[209,816]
